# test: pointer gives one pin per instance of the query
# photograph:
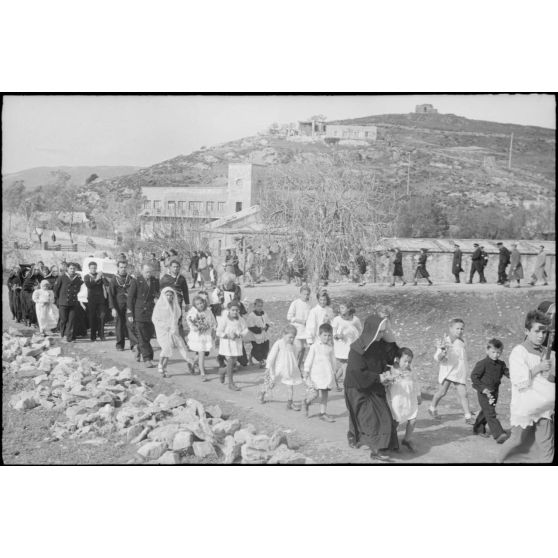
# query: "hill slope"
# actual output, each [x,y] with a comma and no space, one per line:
[451,156]
[41,176]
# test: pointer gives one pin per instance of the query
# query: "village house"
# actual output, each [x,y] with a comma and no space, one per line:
[168,209]
[426,109]
[350,132]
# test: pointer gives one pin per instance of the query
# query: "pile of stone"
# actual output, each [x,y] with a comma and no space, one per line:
[101,402]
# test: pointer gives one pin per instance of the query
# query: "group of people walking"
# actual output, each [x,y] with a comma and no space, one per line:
[506,259]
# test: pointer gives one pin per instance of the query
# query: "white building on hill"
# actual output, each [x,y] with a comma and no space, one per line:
[167,209]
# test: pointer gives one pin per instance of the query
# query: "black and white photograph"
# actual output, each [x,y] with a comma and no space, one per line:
[278,279]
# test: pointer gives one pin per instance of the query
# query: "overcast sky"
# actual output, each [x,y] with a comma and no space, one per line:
[110,130]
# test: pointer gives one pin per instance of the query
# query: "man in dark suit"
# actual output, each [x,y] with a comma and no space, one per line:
[119,286]
[456,268]
[97,287]
[503,262]
[66,290]
[142,294]
[476,264]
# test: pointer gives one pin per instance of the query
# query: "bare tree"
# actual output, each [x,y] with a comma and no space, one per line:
[326,212]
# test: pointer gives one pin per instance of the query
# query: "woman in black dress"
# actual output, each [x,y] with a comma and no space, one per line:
[421,272]
[370,421]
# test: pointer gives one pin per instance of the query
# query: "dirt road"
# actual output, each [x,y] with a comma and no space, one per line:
[420,315]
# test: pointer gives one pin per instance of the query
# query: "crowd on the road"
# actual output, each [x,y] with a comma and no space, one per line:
[318,350]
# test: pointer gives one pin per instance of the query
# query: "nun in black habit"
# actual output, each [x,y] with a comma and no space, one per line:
[370,421]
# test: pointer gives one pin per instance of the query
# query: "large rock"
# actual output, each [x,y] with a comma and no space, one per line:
[226,428]
[152,450]
[54,352]
[230,449]
[286,456]
[28,371]
[183,441]
[259,442]
[32,351]
[244,434]
[199,428]
[277,438]
[40,379]
[169,458]
[214,411]
[133,432]
[253,455]
[24,400]
[203,449]
[45,364]
[141,436]
[164,433]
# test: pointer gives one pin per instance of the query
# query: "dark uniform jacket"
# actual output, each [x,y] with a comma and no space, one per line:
[504,258]
[118,291]
[141,298]
[457,259]
[179,285]
[477,255]
[95,288]
[66,290]
[488,373]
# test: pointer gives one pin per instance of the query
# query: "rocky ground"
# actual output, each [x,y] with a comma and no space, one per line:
[419,314]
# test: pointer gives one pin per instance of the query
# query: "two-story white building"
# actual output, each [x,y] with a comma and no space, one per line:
[167,209]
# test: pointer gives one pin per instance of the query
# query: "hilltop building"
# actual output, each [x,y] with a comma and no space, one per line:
[345,131]
[168,209]
[426,109]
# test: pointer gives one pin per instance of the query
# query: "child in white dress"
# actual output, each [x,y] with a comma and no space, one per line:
[451,355]
[202,326]
[404,396]
[320,314]
[298,315]
[47,313]
[346,330]
[258,324]
[319,371]
[533,394]
[282,364]
[231,328]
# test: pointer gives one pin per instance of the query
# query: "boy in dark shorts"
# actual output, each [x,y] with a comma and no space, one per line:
[486,377]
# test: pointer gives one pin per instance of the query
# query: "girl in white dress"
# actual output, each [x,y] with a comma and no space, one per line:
[451,355]
[282,364]
[404,396]
[319,371]
[165,319]
[202,326]
[320,314]
[346,330]
[298,315]
[47,313]
[231,328]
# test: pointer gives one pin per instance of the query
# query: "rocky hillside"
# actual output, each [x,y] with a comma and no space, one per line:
[452,157]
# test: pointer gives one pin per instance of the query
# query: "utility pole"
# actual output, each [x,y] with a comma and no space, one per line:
[408,170]
[510,154]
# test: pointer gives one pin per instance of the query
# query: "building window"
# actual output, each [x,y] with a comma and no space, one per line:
[238,206]
[209,207]
[171,206]
[219,248]
[147,205]
[157,206]
[181,208]
[195,207]
[221,207]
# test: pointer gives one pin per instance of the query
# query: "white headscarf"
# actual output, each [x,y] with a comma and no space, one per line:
[165,314]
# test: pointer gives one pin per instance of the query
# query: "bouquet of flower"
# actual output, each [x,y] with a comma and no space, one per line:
[390,376]
[200,323]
